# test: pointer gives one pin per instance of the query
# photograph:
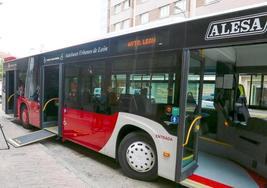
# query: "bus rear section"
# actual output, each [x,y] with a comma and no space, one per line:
[31,92]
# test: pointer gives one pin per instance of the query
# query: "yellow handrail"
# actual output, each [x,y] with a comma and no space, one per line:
[188,157]
[9,98]
[190,129]
[48,102]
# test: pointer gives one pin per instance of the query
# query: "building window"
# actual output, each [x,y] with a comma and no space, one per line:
[126,4]
[144,18]
[126,24]
[179,6]
[164,11]
[117,26]
[207,2]
[117,8]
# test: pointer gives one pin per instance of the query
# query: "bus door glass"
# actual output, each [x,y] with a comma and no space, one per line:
[50,95]
[10,91]
[31,92]
[264,91]
[192,108]
[190,102]
[3,92]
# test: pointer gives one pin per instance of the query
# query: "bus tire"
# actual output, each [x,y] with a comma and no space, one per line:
[24,116]
[138,157]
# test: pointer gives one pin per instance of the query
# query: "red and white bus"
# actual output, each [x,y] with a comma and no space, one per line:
[185,101]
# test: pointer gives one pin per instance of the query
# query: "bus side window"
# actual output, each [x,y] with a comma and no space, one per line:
[32,78]
[21,87]
[71,93]
[36,94]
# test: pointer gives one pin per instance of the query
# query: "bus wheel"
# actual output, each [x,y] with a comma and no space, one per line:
[24,115]
[137,156]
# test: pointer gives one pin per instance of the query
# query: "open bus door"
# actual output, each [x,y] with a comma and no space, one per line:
[50,100]
[190,98]
[44,106]
[9,92]
[230,147]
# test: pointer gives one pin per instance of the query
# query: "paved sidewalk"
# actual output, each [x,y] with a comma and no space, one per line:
[31,166]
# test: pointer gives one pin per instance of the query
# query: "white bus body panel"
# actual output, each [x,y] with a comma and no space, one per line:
[163,140]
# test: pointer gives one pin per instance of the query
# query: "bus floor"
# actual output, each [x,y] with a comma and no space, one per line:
[218,172]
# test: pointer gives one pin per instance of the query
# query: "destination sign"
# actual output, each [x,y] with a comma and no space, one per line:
[142,42]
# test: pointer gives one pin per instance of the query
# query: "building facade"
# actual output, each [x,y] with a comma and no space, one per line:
[123,14]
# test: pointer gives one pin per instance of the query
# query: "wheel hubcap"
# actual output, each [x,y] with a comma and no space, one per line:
[140,156]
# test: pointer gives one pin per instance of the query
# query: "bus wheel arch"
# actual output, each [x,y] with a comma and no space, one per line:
[24,116]
[138,142]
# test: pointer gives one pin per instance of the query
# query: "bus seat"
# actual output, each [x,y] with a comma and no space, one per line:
[242,113]
[190,98]
[191,105]
[257,125]
[220,105]
[142,104]
[127,103]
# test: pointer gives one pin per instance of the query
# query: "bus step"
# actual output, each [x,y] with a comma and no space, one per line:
[31,138]
[53,129]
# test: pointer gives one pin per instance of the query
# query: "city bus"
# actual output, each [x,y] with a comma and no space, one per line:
[185,101]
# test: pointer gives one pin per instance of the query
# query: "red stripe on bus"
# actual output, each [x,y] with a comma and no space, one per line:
[261,181]
[208,182]
[92,130]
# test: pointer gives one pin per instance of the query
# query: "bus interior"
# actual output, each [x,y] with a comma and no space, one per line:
[10,90]
[230,85]
[50,96]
